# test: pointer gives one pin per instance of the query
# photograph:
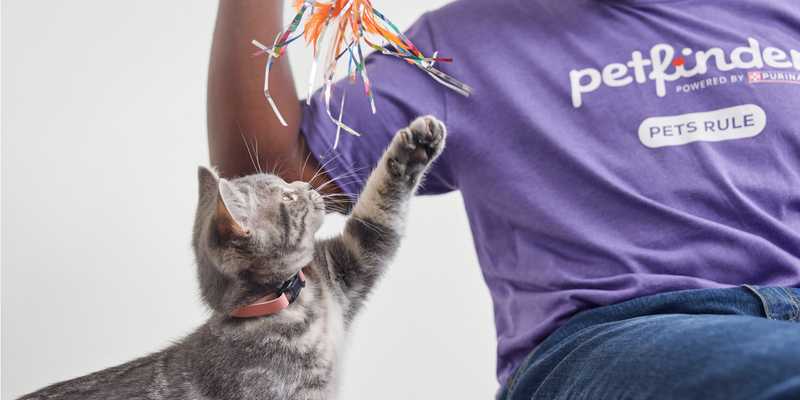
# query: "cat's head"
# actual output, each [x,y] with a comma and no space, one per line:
[251,234]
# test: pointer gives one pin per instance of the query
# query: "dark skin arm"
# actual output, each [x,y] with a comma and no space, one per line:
[236,103]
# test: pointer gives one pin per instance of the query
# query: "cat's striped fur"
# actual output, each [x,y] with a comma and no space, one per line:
[251,234]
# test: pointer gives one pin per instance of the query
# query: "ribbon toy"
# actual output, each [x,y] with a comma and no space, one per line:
[357,24]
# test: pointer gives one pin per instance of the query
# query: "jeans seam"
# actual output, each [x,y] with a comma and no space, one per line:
[514,379]
[764,303]
[794,304]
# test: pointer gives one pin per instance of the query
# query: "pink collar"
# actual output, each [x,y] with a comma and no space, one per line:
[274,302]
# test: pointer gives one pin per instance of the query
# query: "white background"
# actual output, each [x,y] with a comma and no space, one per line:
[103,128]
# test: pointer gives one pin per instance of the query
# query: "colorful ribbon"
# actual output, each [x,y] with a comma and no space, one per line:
[357,23]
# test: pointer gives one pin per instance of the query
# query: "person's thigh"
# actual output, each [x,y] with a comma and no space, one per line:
[670,356]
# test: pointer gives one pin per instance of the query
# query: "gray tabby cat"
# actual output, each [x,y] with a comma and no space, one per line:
[251,235]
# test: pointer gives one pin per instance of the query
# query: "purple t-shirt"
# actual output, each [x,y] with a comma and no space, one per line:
[611,149]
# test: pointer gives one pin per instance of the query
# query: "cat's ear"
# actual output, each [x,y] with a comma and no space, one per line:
[226,222]
[207,182]
[219,191]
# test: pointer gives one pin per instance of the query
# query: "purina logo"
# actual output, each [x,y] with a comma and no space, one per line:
[754,77]
[664,66]
[773,77]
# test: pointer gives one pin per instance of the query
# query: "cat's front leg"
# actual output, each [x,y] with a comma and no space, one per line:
[396,177]
[373,230]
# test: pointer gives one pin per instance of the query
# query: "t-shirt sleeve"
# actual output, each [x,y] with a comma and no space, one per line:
[402,93]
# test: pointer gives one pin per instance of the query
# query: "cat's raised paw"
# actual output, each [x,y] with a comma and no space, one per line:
[426,137]
[417,146]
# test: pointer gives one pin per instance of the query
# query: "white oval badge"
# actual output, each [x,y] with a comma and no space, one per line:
[738,122]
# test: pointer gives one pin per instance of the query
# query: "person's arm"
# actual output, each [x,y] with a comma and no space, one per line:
[237,109]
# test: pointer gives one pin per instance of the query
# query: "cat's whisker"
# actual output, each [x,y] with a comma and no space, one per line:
[338,209]
[317,172]
[338,179]
[340,202]
[278,167]
[375,228]
[338,206]
[341,184]
[335,195]
[258,161]
[305,163]
[351,174]
[246,146]
[321,168]
[338,194]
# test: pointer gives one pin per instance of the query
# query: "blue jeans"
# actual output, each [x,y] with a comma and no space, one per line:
[737,343]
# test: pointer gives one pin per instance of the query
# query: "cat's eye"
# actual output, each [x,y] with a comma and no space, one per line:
[289,196]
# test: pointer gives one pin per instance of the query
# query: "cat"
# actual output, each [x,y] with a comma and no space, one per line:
[281,301]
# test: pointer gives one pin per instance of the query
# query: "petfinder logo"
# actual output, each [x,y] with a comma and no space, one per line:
[664,66]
